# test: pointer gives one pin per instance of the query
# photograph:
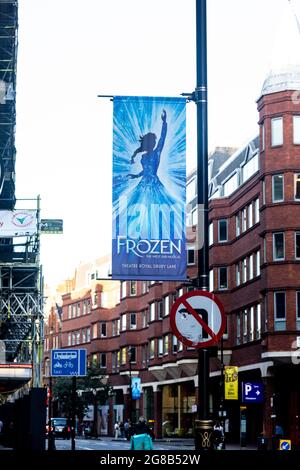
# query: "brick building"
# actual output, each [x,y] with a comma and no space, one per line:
[254,238]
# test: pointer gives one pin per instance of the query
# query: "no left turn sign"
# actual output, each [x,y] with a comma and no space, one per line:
[198,319]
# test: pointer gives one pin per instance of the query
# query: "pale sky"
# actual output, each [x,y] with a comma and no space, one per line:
[72,50]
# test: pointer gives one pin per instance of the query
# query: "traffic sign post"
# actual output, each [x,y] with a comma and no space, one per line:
[198,320]
[69,363]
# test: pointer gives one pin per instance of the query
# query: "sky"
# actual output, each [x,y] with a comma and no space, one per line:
[71,51]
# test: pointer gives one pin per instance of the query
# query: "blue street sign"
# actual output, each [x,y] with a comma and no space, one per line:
[68,362]
[252,392]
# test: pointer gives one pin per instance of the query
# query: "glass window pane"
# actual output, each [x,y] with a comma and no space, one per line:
[277,188]
[297,186]
[296,129]
[223,278]
[276,131]
[279,306]
[278,246]
[223,230]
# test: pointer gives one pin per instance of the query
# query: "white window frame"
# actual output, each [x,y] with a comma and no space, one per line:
[256,211]
[237,225]
[273,189]
[219,278]
[237,274]
[275,307]
[296,129]
[251,267]
[250,215]
[211,234]
[211,280]
[258,263]
[258,321]
[219,231]
[296,233]
[296,178]
[152,311]
[123,322]
[277,131]
[275,257]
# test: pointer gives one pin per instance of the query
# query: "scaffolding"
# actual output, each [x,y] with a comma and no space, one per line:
[21,289]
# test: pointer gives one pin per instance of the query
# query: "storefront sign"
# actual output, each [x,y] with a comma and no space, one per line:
[231,383]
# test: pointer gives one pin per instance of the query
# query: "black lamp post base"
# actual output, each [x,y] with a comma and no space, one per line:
[204,434]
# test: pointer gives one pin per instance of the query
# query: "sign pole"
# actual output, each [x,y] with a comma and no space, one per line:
[203,426]
[73,424]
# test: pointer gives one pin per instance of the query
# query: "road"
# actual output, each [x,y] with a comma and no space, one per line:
[109,444]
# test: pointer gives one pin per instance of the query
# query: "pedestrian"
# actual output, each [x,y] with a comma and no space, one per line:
[117,430]
[218,435]
[121,426]
[142,427]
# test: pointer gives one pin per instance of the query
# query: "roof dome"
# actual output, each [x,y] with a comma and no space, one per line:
[282,80]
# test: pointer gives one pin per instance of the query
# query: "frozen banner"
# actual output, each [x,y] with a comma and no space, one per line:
[18,223]
[149,178]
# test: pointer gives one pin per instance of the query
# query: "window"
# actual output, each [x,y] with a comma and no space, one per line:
[258,321]
[83,336]
[144,319]
[123,322]
[223,230]
[251,324]
[276,131]
[245,325]
[191,255]
[133,321]
[298,306]
[297,186]
[166,344]
[69,311]
[258,263]
[167,306]
[69,340]
[237,225]
[88,335]
[160,347]
[238,328]
[95,330]
[132,354]
[144,354]
[244,219]
[73,311]
[73,339]
[256,211]
[262,137]
[223,281]
[237,274]
[250,215]
[152,311]
[211,280]
[145,287]
[277,188]
[152,349]
[278,246]
[297,245]
[160,307]
[244,264]
[296,129]
[78,310]
[77,337]
[230,185]
[103,360]
[263,191]
[279,306]
[123,289]
[123,356]
[251,266]
[132,287]
[210,234]
[250,168]
[94,359]
[174,344]
[180,292]
[103,330]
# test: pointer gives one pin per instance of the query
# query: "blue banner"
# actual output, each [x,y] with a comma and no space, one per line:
[135,388]
[149,181]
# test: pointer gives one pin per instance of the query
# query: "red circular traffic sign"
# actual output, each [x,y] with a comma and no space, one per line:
[198,319]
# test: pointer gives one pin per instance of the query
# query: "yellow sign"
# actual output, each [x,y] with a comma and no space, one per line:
[231,383]
[285,444]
